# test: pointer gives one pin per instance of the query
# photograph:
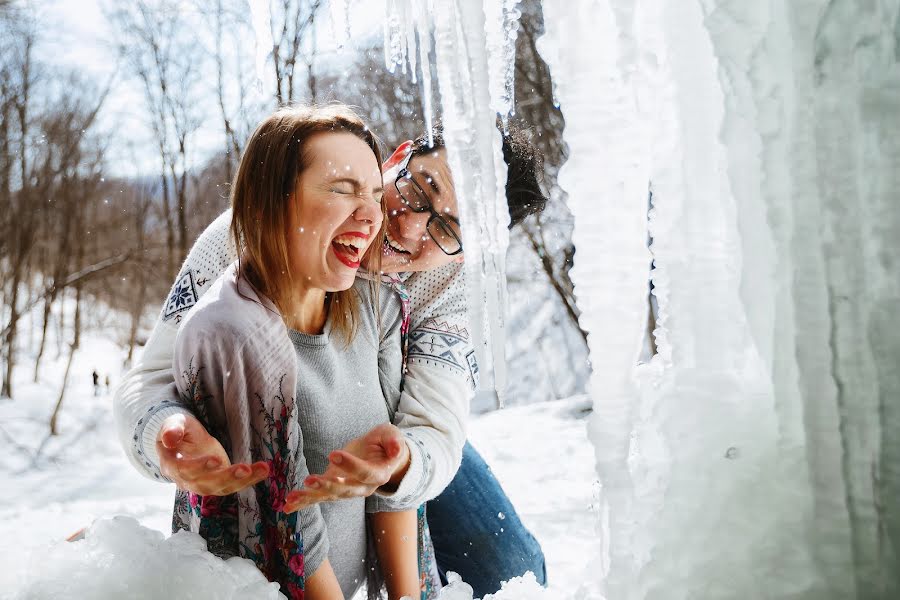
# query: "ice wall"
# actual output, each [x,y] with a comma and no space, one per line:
[757,455]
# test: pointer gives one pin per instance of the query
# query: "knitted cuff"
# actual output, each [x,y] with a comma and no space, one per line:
[409,493]
[147,431]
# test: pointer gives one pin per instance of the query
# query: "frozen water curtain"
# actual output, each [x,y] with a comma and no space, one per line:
[757,455]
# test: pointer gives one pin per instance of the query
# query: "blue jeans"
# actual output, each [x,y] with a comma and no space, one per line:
[466,525]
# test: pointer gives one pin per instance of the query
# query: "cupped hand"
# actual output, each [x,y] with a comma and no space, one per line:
[197,462]
[379,458]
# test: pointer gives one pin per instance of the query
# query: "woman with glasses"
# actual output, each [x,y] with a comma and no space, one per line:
[422,257]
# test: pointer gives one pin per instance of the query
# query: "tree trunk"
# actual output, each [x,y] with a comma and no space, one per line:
[76,339]
[48,303]
[7,390]
[138,306]
[79,222]
[541,250]
[220,92]
[181,199]
[167,213]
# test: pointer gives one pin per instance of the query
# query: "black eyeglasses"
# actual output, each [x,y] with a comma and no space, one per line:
[444,230]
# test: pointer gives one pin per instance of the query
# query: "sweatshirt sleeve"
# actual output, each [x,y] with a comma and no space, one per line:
[437,388]
[146,396]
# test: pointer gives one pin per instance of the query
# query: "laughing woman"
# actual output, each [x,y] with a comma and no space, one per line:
[289,357]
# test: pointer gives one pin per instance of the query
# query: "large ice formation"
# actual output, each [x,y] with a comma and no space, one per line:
[758,454]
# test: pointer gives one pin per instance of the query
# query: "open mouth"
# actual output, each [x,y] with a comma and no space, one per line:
[391,246]
[349,248]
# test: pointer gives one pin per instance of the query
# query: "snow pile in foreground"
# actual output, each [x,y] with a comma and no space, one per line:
[121,559]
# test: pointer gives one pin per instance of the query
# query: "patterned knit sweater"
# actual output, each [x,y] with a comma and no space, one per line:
[437,388]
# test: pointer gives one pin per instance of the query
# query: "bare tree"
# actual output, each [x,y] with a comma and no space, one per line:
[160,49]
[231,27]
[19,77]
[391,102]
[232,146]
[72,158]
[292,22]
[79,223]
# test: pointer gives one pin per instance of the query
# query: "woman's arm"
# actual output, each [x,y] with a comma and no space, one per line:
[323,584]
[396,542]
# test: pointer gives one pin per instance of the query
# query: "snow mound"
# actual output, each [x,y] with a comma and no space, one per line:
[525,587]
[119,558]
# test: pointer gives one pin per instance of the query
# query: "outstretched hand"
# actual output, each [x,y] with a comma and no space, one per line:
[380,458]
[197,462]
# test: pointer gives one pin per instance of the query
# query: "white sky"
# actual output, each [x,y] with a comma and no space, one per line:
[76,33]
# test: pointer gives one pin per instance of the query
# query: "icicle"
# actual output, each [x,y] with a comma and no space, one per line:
[397,28]
[604,126]
[422,17]
[407,31]
[340,22]
[501,31]
[259,11]
[474,152]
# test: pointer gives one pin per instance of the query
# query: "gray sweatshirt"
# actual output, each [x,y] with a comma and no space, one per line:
[342,393]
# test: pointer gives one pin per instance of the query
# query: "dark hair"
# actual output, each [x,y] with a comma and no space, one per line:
[524,168]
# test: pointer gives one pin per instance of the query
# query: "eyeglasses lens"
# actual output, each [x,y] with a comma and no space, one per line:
[445,234]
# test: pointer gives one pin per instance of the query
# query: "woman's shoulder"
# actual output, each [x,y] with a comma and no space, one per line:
[377,295]
[231,308]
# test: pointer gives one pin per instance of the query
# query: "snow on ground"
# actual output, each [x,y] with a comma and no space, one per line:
[56,485]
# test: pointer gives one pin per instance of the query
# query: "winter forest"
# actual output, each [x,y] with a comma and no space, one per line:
[683,368]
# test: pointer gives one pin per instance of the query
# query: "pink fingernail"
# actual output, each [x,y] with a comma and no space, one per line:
[337,459]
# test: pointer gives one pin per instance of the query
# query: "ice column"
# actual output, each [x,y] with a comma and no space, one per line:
[470,37]
[606,178]
[758,450]
[407,35]
[474,151]
[855,122]
[260,16]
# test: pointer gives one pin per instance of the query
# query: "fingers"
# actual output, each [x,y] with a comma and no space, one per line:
[391,440]
[206,476]
[242,476]
[318,488]
[172,431]
[298,500]
[196,468]
[392,447]
[364,471]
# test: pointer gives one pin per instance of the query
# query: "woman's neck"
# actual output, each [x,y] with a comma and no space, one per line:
[308,311]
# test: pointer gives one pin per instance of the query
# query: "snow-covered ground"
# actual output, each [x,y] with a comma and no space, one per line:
[55,485]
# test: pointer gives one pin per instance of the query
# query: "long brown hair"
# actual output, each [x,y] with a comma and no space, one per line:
[266,178]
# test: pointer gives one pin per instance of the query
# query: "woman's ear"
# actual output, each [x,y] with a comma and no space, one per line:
[398,155]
